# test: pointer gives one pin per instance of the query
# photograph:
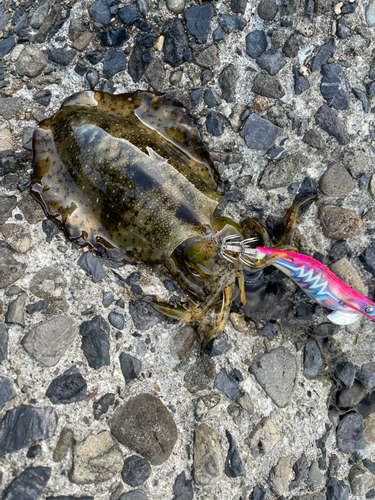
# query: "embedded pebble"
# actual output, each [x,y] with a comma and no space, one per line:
[15,313]
[143,314]
[259,133]
[227,385]
[264,437]
[325,52]
[336,181]
[328,120]
[198,20]
[96,459]
[200,375]
[361,480]
[101,406]
[279,476]
[256,43]
[25,424]
[144,425]
[233,463]
[130,367]
[92,265]
[276,372]
[268,86]
[67,388]
[339,223]
[333,86]
[63,444]
[136,471]
[3,342]
[183,488]
[49,340]
[267,9]
[7,391]
[95,342]
[208,467]
[29,484]
[272,61]
[116,320]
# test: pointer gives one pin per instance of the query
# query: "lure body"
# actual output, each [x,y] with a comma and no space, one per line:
[321,285]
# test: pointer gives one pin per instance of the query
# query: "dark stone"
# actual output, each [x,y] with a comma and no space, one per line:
[304,311]
[267,9]
[81,66]
[333,87]
[227,81]
[218,34]
[213,124]
[258,493]
[136,289]
[29,485]
[227,385]
[211,98]
[269,330]
[107,299]
[276,372]
[49,21]
[7,391]
[114,61]
[198,20]
[200,376]
[100,12]
[101,406]
[259,133]
[208,57]
[34,451]
[349,8]
[61,56]
[256,43]
[300,82]
[291,47]
[183,488]
[144,425]
[367,376]
[6,45]
[334,465]
[313,361]
[366,103]
[130,367]
[25,424]
[217,347]
[230,22]
[3,342]
[342,31]
[272,61]
[116,320]
[176,44]
[144,25]
[50,229]
[350,432]
[170,285]
[233,463]
[92,265]
[368,259]
[43,97]
[338,250]
[67,388]
[143,314]
[25,183]
[325,52]
[136,471]
[147,40]
[94,56]
[133,278]
[314,139]
[349,398]
[327,119]
[301,471]
[336,489]
[7,204]
[238,6]
[114,38]
[71,497]
[326,330]
[15,312]
[128,15]
[346,372]
[95,342]
[136,66]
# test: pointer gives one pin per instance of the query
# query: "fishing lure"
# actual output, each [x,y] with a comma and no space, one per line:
[316,280]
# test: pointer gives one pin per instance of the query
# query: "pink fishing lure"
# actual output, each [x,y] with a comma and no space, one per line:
[322,285]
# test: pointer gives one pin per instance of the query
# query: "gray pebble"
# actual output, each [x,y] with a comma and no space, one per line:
[130,367]
[272,61]
[267,9]
[116,320]
[136,471]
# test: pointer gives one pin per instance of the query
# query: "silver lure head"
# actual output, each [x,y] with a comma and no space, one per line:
[233,249]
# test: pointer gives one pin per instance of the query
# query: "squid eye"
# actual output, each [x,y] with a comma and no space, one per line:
[369,309]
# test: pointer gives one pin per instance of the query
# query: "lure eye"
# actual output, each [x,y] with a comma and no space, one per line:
[369,309]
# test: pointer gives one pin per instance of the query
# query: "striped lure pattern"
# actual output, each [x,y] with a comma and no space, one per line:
[322,285]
